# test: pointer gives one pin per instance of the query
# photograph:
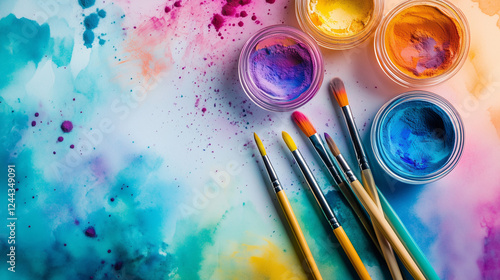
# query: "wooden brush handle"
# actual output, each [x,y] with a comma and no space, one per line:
[390,258]
[299,236]
[359,213]
[387,230]
[351,253]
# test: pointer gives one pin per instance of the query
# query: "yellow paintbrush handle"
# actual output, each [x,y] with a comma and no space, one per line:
[387,230]
[351,253]
[385,247]
[297,232]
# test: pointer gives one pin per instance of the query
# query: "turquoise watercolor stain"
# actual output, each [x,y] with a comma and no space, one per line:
[18,47]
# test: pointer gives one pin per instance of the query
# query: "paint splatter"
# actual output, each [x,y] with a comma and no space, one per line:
[86,3]
[91,21]
[67,126]
[217,21]
[90,232]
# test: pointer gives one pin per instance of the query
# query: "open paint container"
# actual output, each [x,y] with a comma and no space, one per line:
[339,25]
[280,68]
[417,137]
[422,43]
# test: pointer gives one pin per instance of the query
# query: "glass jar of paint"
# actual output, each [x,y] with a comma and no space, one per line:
[417,137]
[422,43]
[339,25]
[280,68]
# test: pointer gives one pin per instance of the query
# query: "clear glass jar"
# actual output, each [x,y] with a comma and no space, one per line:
[261,97]
[383,156]
[331,41]
[403,79]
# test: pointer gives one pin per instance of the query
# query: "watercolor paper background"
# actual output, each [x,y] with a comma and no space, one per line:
[164,167]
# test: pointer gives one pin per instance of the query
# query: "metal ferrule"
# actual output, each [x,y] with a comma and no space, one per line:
[272,174]
[347,170]
[356,140]
[325,157]
[316,190]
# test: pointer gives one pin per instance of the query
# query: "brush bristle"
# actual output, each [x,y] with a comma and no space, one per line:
[262,150]
[338,90]
[303,123]
[331,144]
[289,141]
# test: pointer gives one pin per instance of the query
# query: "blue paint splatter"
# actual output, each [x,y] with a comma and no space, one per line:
[88,38]
[101,13]
[86,3]
[91,21]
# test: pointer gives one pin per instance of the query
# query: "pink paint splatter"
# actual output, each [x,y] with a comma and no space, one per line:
[217,21]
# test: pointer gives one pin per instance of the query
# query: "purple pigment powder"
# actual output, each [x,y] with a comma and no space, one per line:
[282,67]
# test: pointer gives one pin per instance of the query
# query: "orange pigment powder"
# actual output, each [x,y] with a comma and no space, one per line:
[422,41]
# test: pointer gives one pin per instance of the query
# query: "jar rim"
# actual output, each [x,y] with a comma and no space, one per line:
[451,113]
[337,42]
[260,97]
[398,76]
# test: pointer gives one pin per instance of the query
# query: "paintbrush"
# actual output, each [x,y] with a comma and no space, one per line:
[308,129]
[375,212]
[339,92]
[327,211]
[287,209]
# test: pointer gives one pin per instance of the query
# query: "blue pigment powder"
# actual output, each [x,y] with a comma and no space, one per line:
[282,68]
[418,137]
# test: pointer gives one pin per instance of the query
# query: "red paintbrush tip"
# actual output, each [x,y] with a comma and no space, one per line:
[338,90]
[303,123]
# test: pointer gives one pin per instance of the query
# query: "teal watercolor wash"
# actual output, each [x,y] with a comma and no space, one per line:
[417,137]
[17,49]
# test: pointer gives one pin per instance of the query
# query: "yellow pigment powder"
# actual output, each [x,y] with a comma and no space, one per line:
[340,17]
